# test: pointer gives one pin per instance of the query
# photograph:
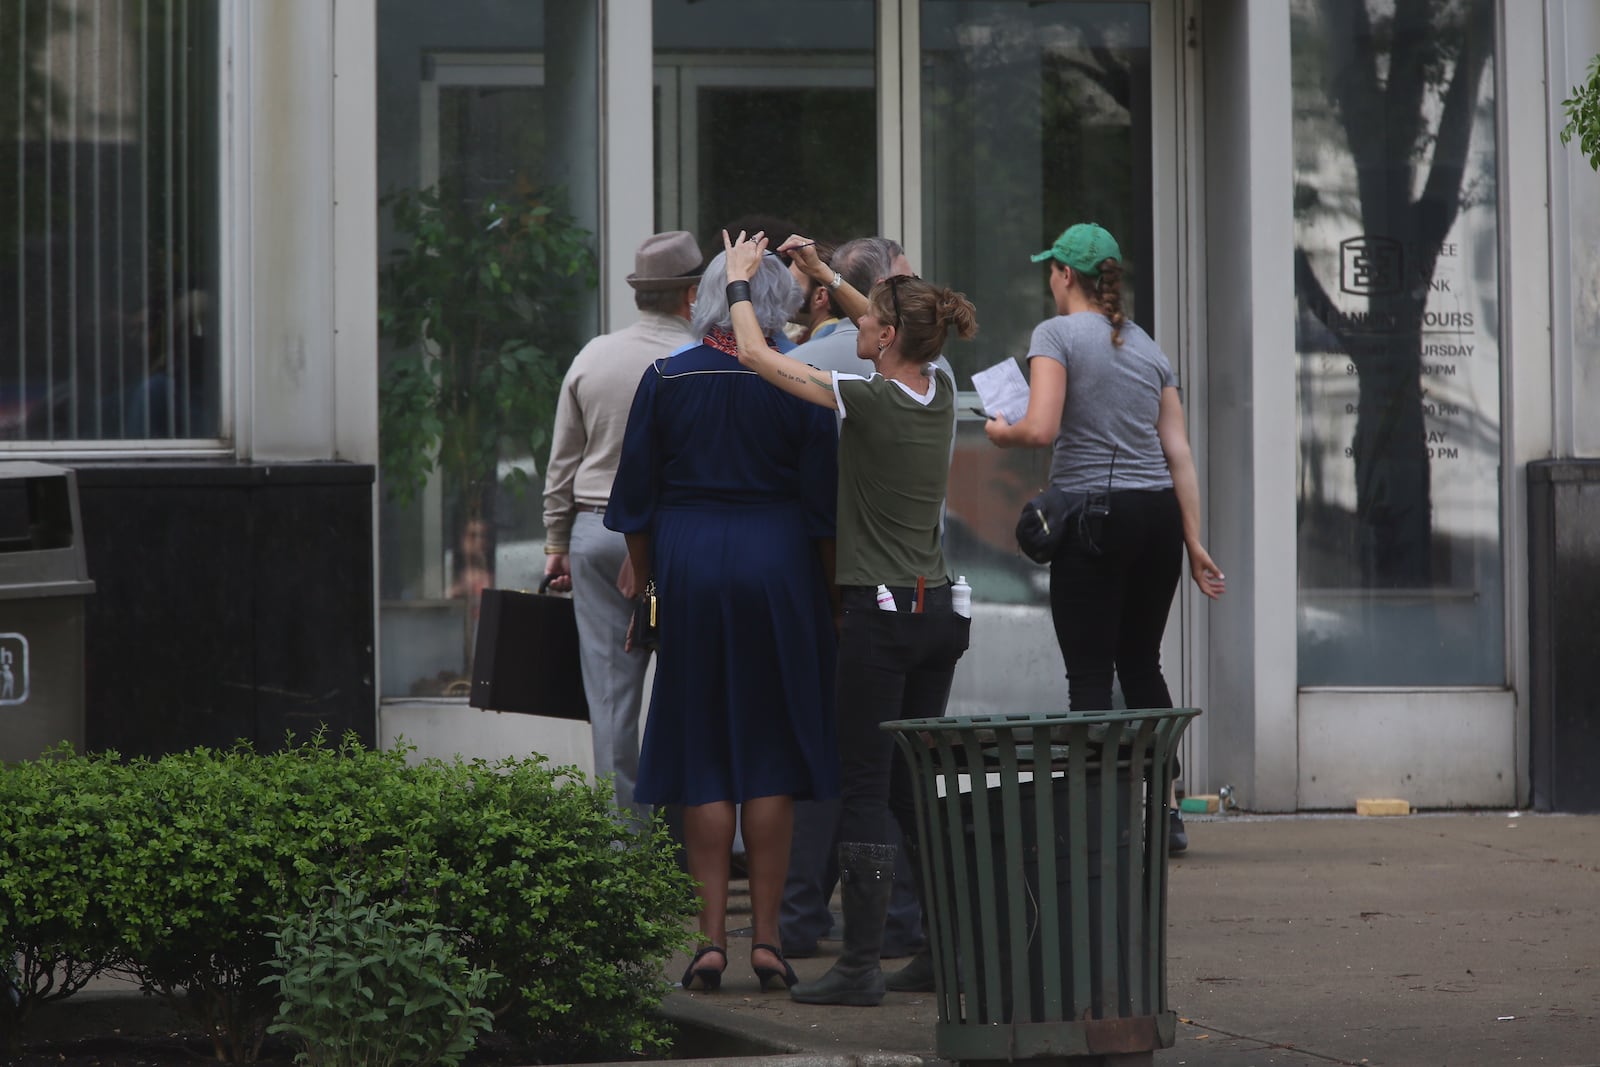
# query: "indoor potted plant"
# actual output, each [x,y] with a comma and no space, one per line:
[480,303]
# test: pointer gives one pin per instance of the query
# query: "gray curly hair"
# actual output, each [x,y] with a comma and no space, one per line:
[773,294]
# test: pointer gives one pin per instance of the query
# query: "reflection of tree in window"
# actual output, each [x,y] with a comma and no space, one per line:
[1402,83]
[1035,117]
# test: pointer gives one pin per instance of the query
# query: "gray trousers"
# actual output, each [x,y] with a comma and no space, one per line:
[613,679]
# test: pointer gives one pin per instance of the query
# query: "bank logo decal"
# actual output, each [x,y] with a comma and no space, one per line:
[13,669]
[1370,266]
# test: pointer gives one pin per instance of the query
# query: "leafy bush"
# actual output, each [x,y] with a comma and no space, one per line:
[60,817]
[363,985]
[236,838]
[526,864]
[171,871]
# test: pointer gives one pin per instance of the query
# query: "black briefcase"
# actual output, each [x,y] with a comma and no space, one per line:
[526,658]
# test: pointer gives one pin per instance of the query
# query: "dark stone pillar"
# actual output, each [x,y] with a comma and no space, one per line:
[1564,619]
[232,601]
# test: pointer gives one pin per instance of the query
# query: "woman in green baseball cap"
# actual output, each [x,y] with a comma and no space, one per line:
[1104,396]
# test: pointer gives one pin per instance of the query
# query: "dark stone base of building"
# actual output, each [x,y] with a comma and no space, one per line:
[1563,619]
[231,601]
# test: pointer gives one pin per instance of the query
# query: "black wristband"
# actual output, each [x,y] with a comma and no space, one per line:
[738,291]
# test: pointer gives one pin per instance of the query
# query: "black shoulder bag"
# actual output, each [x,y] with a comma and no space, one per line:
[1056,517]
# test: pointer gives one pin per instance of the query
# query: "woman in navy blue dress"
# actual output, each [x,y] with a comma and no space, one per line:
[724,484]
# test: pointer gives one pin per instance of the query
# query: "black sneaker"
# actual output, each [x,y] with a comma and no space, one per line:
[1177,836]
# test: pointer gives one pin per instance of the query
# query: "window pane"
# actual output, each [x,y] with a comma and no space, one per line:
[763,108]
[108,221]
[1396,275]
[1034,116]
[488,114]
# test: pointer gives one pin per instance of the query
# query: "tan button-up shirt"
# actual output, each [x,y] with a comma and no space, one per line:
[592,414]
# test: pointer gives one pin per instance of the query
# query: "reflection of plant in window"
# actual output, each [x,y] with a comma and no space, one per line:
[1583,115]
[481,302]
[1402,93]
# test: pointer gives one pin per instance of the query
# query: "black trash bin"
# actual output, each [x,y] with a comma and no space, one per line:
[1043,841]
[43,581]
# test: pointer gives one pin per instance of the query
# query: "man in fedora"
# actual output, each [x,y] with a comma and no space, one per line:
[580,553]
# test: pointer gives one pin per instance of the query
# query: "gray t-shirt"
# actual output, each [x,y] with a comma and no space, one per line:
[1113,401]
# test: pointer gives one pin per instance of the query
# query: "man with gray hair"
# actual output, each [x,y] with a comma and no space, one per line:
[863,263]
[586,443]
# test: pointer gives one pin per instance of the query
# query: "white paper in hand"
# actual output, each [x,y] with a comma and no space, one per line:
[1003,390]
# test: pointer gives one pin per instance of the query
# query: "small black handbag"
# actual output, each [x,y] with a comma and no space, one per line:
[646,626]
[1054,516]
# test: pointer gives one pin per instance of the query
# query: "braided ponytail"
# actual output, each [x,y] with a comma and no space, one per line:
[1108,296]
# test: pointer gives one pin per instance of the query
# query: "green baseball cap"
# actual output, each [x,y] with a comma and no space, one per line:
[1083,248]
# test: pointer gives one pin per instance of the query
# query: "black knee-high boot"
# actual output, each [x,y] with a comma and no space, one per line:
[866,878]
[917,975]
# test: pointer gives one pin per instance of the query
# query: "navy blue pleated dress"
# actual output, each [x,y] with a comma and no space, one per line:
[734,481]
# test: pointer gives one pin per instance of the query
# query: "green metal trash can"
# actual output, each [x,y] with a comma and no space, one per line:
[43,582]
[1043,848]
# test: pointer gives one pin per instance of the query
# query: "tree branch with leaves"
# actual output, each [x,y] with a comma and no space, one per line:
[1583,116]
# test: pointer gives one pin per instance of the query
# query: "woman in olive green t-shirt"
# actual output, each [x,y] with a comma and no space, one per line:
[895,433]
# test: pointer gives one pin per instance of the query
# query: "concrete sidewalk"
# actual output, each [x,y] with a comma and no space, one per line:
[1303,941]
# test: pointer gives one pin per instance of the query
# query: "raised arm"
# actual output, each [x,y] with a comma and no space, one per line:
[790,375]
[851,300]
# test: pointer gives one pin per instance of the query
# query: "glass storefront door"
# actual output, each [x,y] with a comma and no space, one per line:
[1398,336]
[1033,116]
[479,104]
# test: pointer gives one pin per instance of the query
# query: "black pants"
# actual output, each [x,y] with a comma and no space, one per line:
[1110,610]
[892,665]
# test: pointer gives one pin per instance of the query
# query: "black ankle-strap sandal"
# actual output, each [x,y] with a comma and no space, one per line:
[764,975]
[710,981]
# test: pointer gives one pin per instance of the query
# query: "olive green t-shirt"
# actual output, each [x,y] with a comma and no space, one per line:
[894,471]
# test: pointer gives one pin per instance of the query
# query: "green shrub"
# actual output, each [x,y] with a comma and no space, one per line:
[360,984]
[60,817]
[524,860]
[234,838]
[171,871]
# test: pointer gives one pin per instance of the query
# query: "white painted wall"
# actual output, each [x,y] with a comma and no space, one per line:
[628,142]
[354,350]
[283,137]
[1526,225]
[444,730]
[1251,709]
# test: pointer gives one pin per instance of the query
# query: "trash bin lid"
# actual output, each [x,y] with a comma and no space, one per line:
[41,542]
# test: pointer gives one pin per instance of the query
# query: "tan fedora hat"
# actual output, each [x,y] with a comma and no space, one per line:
[669,260]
